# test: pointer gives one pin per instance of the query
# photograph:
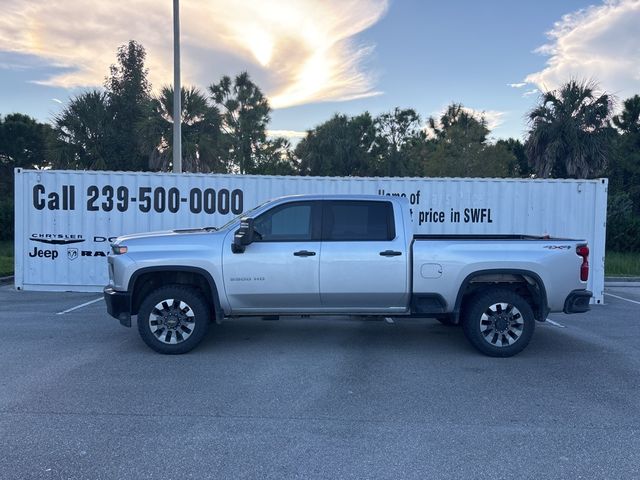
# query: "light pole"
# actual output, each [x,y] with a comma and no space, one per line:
[177,91]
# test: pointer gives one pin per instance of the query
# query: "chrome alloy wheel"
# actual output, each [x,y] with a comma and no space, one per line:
[501,325]
[172,321]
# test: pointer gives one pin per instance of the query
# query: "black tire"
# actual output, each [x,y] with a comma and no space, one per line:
[181,324]
[488,324]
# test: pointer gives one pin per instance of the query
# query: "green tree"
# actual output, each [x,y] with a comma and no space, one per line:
[341,146]
[396,134]
[623,212]
[97,129]
[82,133]
[276,158]
[623,226]
[458,121]
[458,147]
[128,93]
[628,121]
[245,115]
[624,168]
[23,144]
[201,136]
[570,135]
[521,167]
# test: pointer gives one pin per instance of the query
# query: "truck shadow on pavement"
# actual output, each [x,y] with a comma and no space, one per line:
[408,336]
[417,336]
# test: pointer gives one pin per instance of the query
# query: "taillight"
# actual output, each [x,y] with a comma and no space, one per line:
[583,251]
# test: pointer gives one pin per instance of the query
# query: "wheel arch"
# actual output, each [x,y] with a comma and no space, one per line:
[505,277]
[148,279]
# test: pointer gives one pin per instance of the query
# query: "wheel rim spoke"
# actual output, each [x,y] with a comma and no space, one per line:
[501,324]
[172,321]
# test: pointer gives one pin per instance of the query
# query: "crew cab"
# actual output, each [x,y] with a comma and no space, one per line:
[342,255]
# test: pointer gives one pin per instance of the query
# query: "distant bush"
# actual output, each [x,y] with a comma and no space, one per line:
[623,227]
[6,219]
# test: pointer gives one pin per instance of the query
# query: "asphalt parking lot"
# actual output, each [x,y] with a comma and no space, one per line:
[83,398]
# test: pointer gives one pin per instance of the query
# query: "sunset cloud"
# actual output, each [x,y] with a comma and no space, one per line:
[299,51]
[598,43]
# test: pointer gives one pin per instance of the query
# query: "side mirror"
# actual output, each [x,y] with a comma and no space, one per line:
[243,236]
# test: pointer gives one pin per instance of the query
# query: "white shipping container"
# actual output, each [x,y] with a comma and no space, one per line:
[65,220]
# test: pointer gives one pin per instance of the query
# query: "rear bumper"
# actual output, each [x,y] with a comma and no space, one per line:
[118,305]
[577,301]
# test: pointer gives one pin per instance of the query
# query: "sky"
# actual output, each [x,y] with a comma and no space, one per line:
[314,58]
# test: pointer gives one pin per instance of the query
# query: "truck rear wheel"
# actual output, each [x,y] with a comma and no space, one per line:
[173,319]
[498,322]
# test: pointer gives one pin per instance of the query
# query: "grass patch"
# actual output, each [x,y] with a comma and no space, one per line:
[6,258]
[622,264]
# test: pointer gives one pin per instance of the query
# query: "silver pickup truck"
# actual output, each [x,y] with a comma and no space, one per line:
[342,255]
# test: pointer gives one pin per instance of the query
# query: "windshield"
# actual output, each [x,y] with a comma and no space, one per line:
[243,214]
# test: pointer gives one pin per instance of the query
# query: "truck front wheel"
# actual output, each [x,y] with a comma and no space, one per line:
[498,322]
[173,319]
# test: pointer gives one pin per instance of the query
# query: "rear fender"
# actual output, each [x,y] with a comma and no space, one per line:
[496,277]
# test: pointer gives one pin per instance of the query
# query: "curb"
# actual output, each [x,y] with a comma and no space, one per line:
[622,281]
[6,280]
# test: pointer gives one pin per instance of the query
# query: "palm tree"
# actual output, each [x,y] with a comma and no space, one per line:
[570,134]
[457,118]
[81,133]
[200,132]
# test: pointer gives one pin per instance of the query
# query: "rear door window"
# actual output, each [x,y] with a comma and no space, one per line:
[347,220]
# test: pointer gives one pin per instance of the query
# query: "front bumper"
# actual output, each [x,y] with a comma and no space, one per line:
[118,305]
[577,301]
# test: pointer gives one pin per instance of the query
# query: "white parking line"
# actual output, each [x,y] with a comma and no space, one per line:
[80,306]
[622,298]
[555,324]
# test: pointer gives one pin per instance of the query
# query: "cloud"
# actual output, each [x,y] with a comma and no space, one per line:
[13,66]
[528,93]
[57,100]
[516,85]
[290,134]
[494,118]
[597,43]
[298,51]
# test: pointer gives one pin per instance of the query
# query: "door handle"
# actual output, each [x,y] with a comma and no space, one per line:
[304,253]
[390,253]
